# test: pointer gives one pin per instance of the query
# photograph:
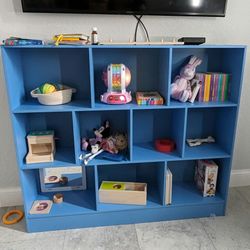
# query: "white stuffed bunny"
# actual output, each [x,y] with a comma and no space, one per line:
[181,88]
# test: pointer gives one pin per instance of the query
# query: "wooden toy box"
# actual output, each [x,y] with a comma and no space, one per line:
[123,193]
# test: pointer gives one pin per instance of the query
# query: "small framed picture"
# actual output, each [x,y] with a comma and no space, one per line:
[63,179]
[41,207]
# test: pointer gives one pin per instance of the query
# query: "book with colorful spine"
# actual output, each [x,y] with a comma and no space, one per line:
[149,98]
[214,87]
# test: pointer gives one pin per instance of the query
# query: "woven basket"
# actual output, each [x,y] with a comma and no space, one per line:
[55,98]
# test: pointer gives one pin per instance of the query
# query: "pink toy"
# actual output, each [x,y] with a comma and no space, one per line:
[181,88]
[116,78]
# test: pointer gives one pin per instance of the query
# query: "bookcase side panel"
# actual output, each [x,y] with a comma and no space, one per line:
[233,63]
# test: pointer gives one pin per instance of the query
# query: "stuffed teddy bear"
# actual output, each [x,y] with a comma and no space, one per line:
[115,143]
[181,88]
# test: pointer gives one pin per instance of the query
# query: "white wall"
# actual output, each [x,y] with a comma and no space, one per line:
[230,30]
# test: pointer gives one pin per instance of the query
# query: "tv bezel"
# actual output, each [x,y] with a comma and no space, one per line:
[125,13]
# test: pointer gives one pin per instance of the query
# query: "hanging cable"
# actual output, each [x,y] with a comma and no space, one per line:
[139,21]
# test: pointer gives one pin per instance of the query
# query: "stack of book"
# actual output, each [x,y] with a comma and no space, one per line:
[17,41]
[149,98]
[214,87]
[71,39]
[168,196]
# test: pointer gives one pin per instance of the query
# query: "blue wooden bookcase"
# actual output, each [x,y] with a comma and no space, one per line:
[153,68]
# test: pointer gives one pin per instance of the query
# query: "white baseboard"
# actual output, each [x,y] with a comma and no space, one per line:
[13,196]
[10,197]
[240,178]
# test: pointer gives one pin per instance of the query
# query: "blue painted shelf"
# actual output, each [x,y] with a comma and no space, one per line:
[64,157]
[75,202]
[153,201]
[153,68]
[33,106]
[186,193]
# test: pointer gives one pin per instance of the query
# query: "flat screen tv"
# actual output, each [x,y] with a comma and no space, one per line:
[129,7]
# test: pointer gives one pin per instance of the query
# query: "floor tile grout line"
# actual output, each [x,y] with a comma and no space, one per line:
[209,237]
[241,195]
[64,238]
[136,230]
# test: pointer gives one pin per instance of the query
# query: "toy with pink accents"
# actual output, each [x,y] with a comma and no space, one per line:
[116,78]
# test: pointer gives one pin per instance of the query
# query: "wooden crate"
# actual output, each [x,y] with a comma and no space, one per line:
[123,193]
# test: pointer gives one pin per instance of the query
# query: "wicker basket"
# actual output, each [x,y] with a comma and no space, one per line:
[55,98]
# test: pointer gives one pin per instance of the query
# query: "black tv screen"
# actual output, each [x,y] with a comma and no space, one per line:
[134,7]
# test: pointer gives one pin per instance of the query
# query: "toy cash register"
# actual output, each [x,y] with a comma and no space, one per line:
[116,78]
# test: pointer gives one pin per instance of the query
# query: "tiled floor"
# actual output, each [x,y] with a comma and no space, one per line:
[229,232]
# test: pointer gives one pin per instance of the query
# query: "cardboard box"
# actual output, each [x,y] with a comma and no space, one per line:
[206,172]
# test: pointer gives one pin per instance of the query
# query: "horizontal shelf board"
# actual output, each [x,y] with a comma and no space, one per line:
[75,202]
[106,162]
[176,104]
[204,151]
[153,201]
[133,105]
[146,152]
[64,157]
[36,107]
[186,193]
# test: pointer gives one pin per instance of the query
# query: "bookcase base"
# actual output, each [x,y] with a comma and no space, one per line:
[97,219]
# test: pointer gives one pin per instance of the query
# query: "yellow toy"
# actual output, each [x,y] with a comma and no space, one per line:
[47,88]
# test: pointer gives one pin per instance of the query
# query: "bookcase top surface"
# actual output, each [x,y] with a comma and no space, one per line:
[127,46]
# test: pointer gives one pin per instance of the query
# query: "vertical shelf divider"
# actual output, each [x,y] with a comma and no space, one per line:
[130,136]
[96,187]
[164,184]
[77,137]
[91,77]
[184,133]
[164,63]
[169,74]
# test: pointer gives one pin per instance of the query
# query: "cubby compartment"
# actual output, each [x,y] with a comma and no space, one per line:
[119,122]
[150,125]
[214,59]
[29,68]
[184,190]
[149,69]
[216,122]
[60,123]
[150,173]
[74,202]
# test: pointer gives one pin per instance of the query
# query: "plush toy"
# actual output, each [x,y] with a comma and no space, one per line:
[121,141]
[93,143]
[103,142]
[181,88]
[115,143]
[103,131]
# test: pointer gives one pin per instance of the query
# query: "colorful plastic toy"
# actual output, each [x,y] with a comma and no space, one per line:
[116,78]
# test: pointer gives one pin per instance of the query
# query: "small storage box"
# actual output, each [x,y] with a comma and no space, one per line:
[123,193]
